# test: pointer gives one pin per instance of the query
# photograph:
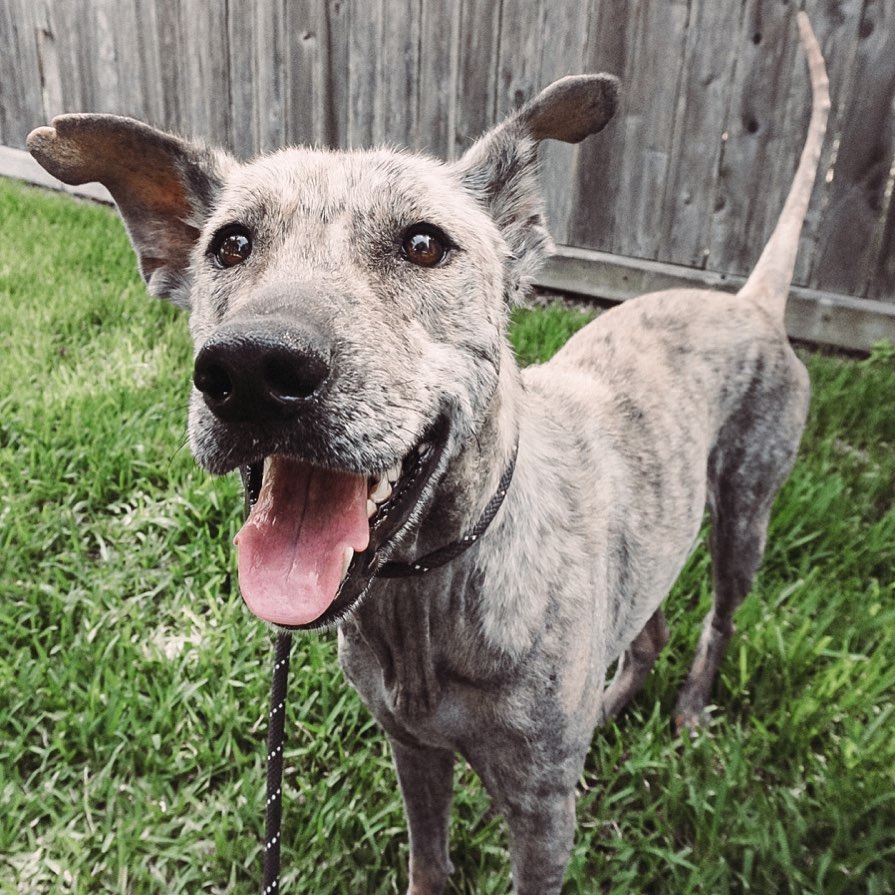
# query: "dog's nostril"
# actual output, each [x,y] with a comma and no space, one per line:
[290,378]
[213,381]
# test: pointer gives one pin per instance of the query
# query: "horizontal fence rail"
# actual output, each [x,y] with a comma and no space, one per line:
[691,172]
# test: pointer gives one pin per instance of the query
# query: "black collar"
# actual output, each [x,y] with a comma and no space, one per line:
[445,554]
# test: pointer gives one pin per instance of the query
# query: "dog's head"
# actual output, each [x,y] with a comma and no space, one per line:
[348,312]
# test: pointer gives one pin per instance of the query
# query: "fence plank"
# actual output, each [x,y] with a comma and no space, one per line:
[399,73]
[338,71]
[564,26]
[174,78]
[643,43]
[882,286]
[305,42]
[205,106]
[838,37]
[657,35]
[696,145]
[243,125]
[847,244]
[270,75]
[438,63]
[476,71]
[518,55]
[365,125]
[819,317]
[48,55]
[21,107]
[756,150]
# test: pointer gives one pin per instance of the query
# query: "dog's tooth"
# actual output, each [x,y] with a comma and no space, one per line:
[394,473]
[382,491]
[371,508]
[347,556]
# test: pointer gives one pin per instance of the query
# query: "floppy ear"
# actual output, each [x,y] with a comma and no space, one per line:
[164,186]
[500,169]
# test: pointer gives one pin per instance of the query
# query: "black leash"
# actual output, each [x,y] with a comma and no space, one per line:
[276,732]
[276,738]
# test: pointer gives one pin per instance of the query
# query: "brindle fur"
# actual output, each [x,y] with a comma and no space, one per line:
[663,406]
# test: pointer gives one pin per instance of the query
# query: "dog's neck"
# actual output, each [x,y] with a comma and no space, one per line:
[409,628]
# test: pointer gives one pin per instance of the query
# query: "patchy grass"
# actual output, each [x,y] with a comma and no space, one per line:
[135,683]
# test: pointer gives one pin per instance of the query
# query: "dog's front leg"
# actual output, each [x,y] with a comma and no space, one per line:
[426,779]
[531,774]
[541,838]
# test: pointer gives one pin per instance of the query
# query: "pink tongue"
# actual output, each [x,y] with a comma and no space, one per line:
[292,547]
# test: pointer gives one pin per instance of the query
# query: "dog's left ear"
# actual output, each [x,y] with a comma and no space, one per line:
[500,169]
[164,186]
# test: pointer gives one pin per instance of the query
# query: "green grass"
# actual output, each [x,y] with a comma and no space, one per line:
[134,682]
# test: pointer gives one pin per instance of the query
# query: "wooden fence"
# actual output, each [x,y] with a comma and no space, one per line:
[687,180]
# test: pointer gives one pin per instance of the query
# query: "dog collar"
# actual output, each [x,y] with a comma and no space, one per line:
[451,551]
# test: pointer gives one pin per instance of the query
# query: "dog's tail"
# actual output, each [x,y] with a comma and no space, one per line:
[768,285]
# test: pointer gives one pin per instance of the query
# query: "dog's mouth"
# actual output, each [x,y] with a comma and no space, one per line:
[315,537]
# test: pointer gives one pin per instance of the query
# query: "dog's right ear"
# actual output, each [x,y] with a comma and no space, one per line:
[164,186]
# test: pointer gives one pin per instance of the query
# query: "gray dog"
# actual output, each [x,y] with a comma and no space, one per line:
[487,541]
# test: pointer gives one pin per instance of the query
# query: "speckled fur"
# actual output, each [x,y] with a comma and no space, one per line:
[663,406]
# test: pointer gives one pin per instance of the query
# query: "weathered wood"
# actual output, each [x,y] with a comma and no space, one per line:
[476,74]
[823,318]
[48,52]
[205,60]
[598,190]
[270,75]
[848,241]
[882,287]
[518,55]
[656,35]
[696,145]
[305,42]
[757,162]
[365,124]
[398,73]
[152,62]
[242,47]
[564,27]
[438,65]
[338,71]
[20,96]
[175,78]
[838,37]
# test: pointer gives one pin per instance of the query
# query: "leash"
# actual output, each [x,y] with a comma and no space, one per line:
[276,730]
[276,739]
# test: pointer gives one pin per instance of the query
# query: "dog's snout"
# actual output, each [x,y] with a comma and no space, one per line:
[251,375]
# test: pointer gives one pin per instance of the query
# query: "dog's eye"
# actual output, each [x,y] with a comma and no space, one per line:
[231,246]
[425,245]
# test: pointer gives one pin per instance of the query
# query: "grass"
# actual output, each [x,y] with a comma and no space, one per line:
[134,682]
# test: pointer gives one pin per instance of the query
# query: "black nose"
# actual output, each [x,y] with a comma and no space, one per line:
[259,372]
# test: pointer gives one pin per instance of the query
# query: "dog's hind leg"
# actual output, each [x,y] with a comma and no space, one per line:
[737,544]
[426,779]
[635,665]
[746,471]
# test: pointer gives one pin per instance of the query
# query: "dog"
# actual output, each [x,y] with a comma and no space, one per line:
[488,541]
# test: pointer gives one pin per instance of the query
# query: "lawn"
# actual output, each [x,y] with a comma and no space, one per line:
[134,682]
